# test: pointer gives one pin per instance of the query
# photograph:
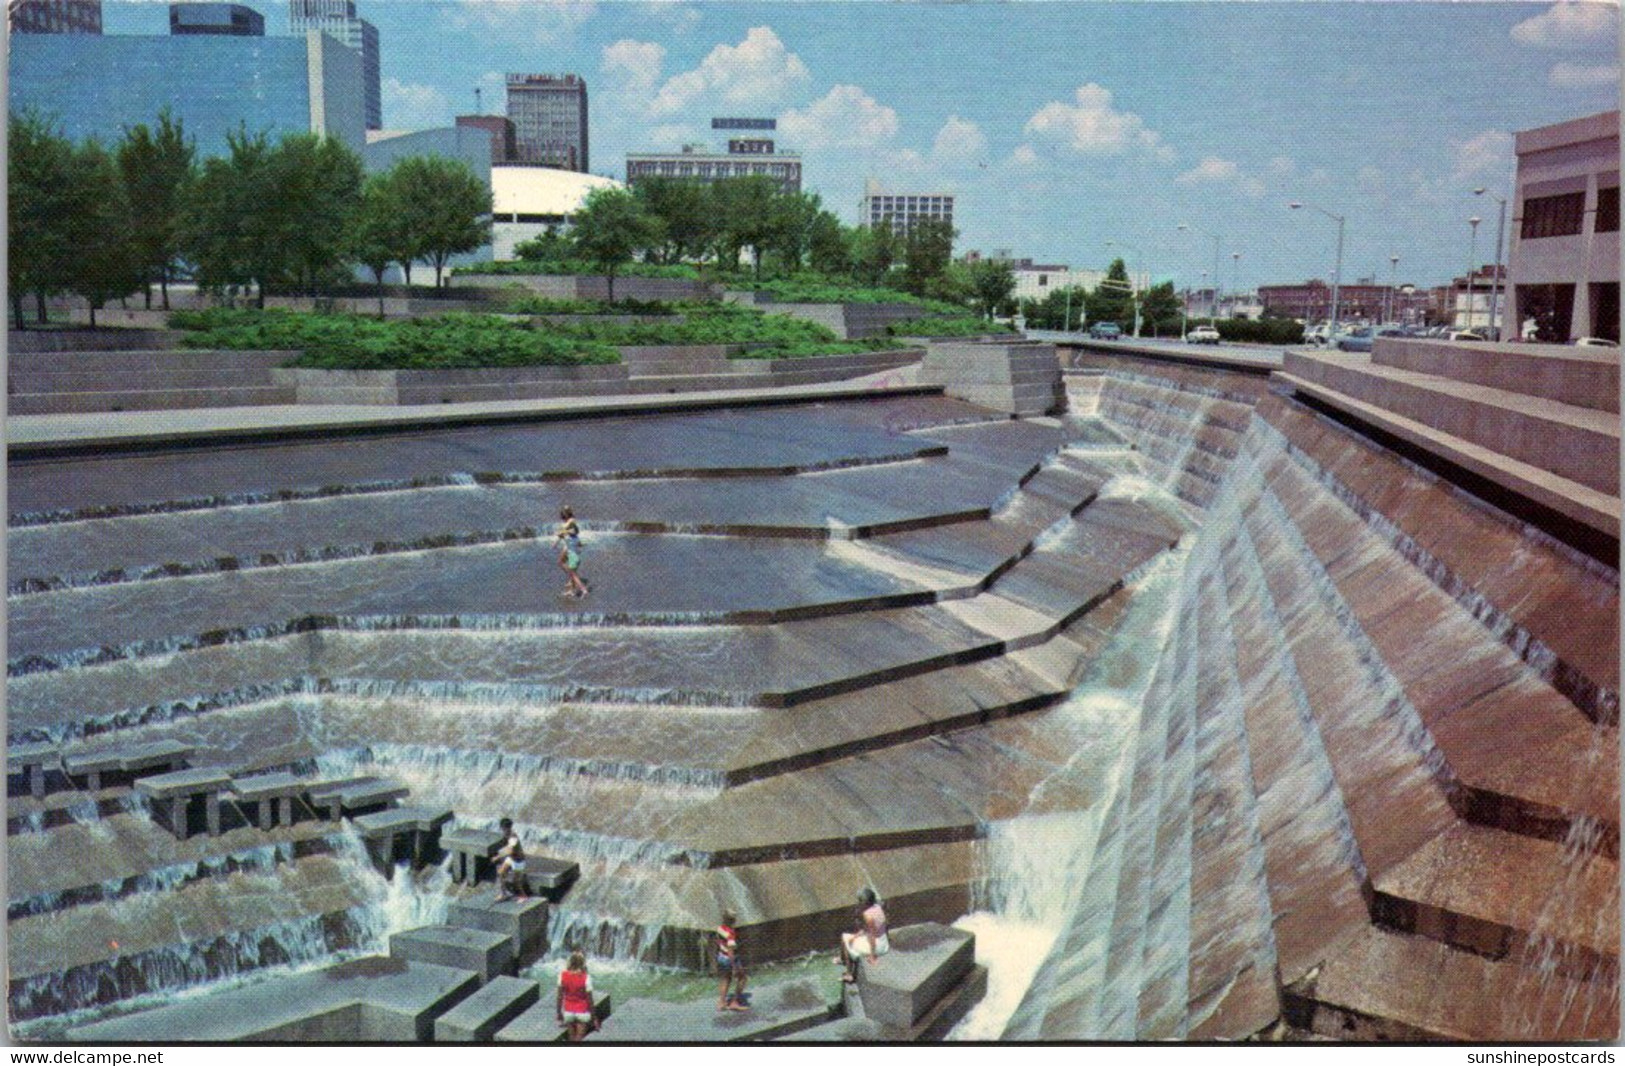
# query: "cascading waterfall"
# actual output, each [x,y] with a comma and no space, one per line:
[1038,864]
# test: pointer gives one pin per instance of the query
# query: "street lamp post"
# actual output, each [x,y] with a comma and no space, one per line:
[1337,271]
[1393,288]
[1495,282]
[1467,279]
[1235,280]
[1214,237]
[1133,291]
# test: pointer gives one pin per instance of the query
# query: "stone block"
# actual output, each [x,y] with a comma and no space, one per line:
[551,877]
[485,953]
[522,921]
[540,1023]
[924,963]
[477,1018]
[776,1011]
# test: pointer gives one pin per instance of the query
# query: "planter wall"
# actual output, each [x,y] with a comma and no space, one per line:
[585,287]
[1021,377]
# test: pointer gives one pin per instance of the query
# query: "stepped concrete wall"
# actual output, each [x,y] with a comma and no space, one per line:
[1585,377]
[586,287]
[1021,378]
[84,340]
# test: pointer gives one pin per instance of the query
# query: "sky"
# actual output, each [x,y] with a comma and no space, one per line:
[1061,126]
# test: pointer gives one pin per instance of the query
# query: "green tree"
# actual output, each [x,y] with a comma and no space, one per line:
[549,246]
[106,262]
[747,213]
[794,217]
[39,180]
[928,248]
[379,235]
[315,185]
[829,245]
[446,208]
[157,167]
[992,285]
[1161,308]
[610,229]
[685,212]
[222,231]
[1113,300]
[874,251]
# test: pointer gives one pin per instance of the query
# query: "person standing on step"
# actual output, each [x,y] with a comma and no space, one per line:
[510,865]
[574,1001]
[568,540]
[868,938]
[729,966]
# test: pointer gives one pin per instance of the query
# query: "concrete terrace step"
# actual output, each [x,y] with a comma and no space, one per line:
[59,403]
[1576,443]
[146,360]
[1506,896]
[369,999]
[1580,502]
[477,1018]
[1584,377]
[777,1011]
[1380,985]
[486,954]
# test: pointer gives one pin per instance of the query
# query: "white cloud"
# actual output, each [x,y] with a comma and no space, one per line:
[410,106]
[1487,152]
[757,72]
[1571,24]
[1091,126]
[960,142]
[1216,171]
[546,22]
[845,117]
[1584,75]
[1210,169]
[1023,156]
[634,65]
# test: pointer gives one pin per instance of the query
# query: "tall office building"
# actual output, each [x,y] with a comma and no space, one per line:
[902,210]
[549,113]
[215,84]
[500,128]
[337,18]
[225,20]
[747,156]
[54,16]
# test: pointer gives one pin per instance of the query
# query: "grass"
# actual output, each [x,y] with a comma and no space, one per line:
[817,289]
[358,342]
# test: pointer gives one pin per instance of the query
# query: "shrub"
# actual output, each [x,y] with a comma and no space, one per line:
[532,304]
[810,349]
[1262,331]
[707,324]
[961,326]
[577,268]
[817,289]
[357,342]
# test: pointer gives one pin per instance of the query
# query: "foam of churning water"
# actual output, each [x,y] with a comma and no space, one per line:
[1038,865]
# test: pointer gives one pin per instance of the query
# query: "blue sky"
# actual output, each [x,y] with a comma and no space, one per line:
[1062,125]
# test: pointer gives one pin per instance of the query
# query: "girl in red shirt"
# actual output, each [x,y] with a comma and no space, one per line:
[574,1002]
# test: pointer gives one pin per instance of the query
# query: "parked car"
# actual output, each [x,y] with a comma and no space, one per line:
[1464,335]
[1105,331]
[1355,340]
[1202,335]
[1596,342]
[1317,335]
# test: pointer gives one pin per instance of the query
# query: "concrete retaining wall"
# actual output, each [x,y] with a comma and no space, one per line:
[1022,378]
[587,287]
[1585,377]
[393,387]
[84,340]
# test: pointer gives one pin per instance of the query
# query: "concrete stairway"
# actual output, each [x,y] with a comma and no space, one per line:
[71,382]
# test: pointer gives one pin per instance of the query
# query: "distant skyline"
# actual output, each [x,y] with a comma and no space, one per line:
[1058,125]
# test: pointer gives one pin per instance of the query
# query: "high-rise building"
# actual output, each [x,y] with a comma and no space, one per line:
[549,114]
[214,84]
[54,16]
[337,18]
[902,210]
[745,157]
[501,130]
[226,20]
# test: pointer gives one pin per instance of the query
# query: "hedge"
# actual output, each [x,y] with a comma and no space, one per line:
[962,326]
[1261,331]
[579,268]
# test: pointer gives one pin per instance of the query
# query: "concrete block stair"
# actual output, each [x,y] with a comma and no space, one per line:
[486,954]
[478,1018]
